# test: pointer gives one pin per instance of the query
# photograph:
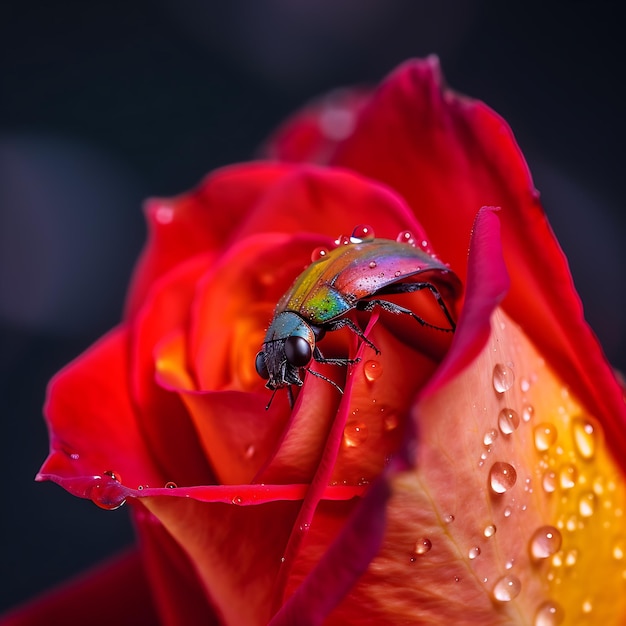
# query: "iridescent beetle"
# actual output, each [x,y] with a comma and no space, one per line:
[351,276]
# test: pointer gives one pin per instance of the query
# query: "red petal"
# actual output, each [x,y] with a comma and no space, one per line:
[448,156]
[116,592]
[92,422]
[200,221]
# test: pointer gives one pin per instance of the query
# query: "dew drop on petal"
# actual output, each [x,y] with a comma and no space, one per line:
[502,477]
[503,377]
[545,435]
[545,542]
[508,421]
[249,452]
[489,531]
[549,481]
[372,370]
[618,550]
[170,485]
[507,511]
[584,437]
[354,434]
[318,254]
[237,500]
[549,613]
[372,265]
[113,475]
[473,552]
[507,588]
[587,607]
[390,422]
[568,475]
[524,385]
[448,519]
[490,436]
[362,232]
[527,412]
[406,236]
[422,546]
[342,240]
[106,493]
[587,503]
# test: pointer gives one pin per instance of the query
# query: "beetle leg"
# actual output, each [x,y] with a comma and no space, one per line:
[317,355]
[290,396]
[391,307]
[328,380]
[346,321]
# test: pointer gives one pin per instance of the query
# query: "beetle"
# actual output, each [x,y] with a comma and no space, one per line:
[350,277]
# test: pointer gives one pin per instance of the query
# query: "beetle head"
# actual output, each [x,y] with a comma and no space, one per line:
[289,345]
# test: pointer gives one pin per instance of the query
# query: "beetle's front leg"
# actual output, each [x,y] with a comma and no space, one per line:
[346,321]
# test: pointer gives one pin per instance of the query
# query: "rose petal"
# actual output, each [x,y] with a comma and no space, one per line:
[447,156]
[200,221]
[115,592]
[92,421]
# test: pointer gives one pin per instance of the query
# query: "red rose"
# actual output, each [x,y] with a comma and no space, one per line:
[466,478]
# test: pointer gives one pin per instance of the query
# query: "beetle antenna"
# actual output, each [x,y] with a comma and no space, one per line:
[270,402]
[328,380]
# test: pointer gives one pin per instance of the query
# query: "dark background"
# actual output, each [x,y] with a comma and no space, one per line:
[104,104]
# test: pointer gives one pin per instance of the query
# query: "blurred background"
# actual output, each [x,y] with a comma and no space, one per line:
[104,104]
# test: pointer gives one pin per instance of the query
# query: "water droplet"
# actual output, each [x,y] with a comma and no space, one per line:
[507,588]
[545,435]
[527,412]
[618,550]
[524,385]
[584,437]
[489,531]
[502,477]
[406,236]
[549,481]
[372,370]
[372,264]
[391,422]
[362,232]
[250,451]
[571,557]
[508,421]
[568,475]
[549,613]
[587,504]
[318,254]
[170,485]
[448,519]
[545,542]
[114,475]
[164,214]
[509,564]
[507,511]
[587,607]
[354,434]
[342,240]
[106,493]
[503,377]
[473,552]
[490,436]
[422,546]
[237,500]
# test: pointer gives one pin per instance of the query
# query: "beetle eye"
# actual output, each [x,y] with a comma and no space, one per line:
[261,366]
[298,351]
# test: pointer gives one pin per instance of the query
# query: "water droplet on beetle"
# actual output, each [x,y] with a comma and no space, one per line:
[372,264]
[545,542]
[372,370]
[318,254]
[171,485]
[361,233]
[584,437]
[422,546]
[354,434]
[502,477]
[473,552]
[544,436]
[489,437]
[406,236]
[507,588]
[490,531]
[508,421]
[549,613]
[503,377]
